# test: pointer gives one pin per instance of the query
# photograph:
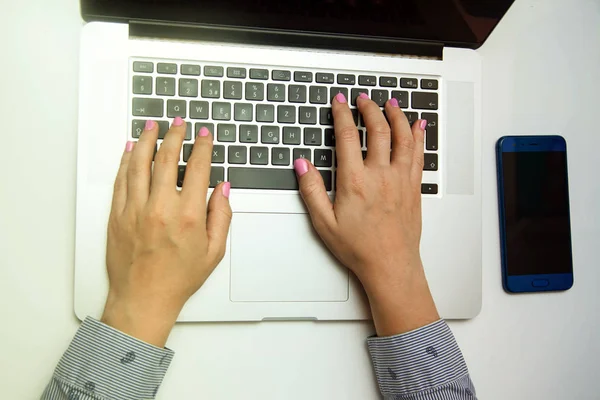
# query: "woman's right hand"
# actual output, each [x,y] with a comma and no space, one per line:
[374,225]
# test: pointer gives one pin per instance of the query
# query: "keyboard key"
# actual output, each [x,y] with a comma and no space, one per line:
[176,108]
[411,117]
[329,137]
[199,109]
[189,69]
[248,133]
[275,92]
[211,89]
[326,117]
[259,155]
[259,74]
[280,156]
[281,75]
[429,84]
[142,85]
[208,125]
[361,135]
[429,188]
[354,112]
[411,83]
[286,114]
[218,154]
[312,136]
[335,90]
[217,175]
[300,76]
[235,72]
[143,66]
[388,81]
[291,135]
[380,96]
[187,151]
[237,155]
[148,107]
[269,134]
[166,68]
[367,80]
[308,115]
[226,133]
[431,131]
[318,94]
[138,125]
[345,79]
[165,86]
[263,178]
[327,179]
[402,97]
[356,93]
[180,175]
[188,132]
[324,78]
[221,111]
[232,90]
[265,113]
[188,87]
[255,91]
[297,94]
[213,71]
[431,162]
[323,158]
[302,153]
[424,100]
[242,112]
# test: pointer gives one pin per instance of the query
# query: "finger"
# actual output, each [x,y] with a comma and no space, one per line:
[120,189]
[197,172]
[418,132]
[218,221]
[139,172]
[378,131]
[164,176]
[347,142]
[403,143]
[315,196]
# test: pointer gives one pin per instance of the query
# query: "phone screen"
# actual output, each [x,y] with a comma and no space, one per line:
[536,212]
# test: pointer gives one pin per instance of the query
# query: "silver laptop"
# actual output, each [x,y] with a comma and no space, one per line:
[261,76]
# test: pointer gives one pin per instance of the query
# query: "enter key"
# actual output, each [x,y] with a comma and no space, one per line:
[431,131]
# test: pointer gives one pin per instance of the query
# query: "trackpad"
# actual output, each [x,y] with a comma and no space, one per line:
[278,257]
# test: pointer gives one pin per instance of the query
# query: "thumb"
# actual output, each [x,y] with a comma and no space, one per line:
[314,194]
[218,221]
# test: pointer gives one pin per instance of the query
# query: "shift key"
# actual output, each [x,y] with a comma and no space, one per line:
[143,107]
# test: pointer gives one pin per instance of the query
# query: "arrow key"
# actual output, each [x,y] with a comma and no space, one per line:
[424,100]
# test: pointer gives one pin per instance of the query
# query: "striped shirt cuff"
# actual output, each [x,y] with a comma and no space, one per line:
[417,364]
[102,362]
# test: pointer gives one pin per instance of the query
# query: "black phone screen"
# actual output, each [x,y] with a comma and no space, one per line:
[536,212]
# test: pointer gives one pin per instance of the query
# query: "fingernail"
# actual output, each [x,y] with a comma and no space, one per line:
[341,98]
[177,121]
[301,166]
[363,95]
[149,124]
[226,189]
[394,102]
[129,147]
[423,124]
[203,131]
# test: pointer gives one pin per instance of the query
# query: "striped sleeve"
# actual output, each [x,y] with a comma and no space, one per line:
[102,363]
[424,364]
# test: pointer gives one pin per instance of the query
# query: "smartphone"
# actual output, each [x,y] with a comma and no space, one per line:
[535,227]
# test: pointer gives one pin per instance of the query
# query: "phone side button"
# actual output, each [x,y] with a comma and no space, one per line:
[540,283]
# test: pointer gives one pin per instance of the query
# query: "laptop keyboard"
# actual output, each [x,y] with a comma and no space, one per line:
[262,119]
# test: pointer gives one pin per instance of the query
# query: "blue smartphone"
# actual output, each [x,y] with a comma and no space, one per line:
[535,227]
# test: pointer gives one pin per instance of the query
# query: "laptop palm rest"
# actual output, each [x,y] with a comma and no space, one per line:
[279,258]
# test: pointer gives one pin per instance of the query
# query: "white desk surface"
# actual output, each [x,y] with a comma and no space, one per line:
[541,76]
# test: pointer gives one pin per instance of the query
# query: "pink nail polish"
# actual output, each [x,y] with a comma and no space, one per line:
[341,98]
[149,125]
[301,166]
[423,124]
[394,102]
[363,96]
[177,121]
[129,147]
[226,189]
[203,132]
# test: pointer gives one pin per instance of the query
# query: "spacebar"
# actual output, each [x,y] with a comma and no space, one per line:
[263,178]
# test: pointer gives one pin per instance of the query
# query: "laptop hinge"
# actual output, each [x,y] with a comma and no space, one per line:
[211,33]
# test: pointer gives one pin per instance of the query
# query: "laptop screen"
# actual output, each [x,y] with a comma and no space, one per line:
[465,23]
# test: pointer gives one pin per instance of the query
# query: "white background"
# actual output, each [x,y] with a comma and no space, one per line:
[541,76]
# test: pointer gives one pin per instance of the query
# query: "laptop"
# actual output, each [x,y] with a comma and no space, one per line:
[260,74]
